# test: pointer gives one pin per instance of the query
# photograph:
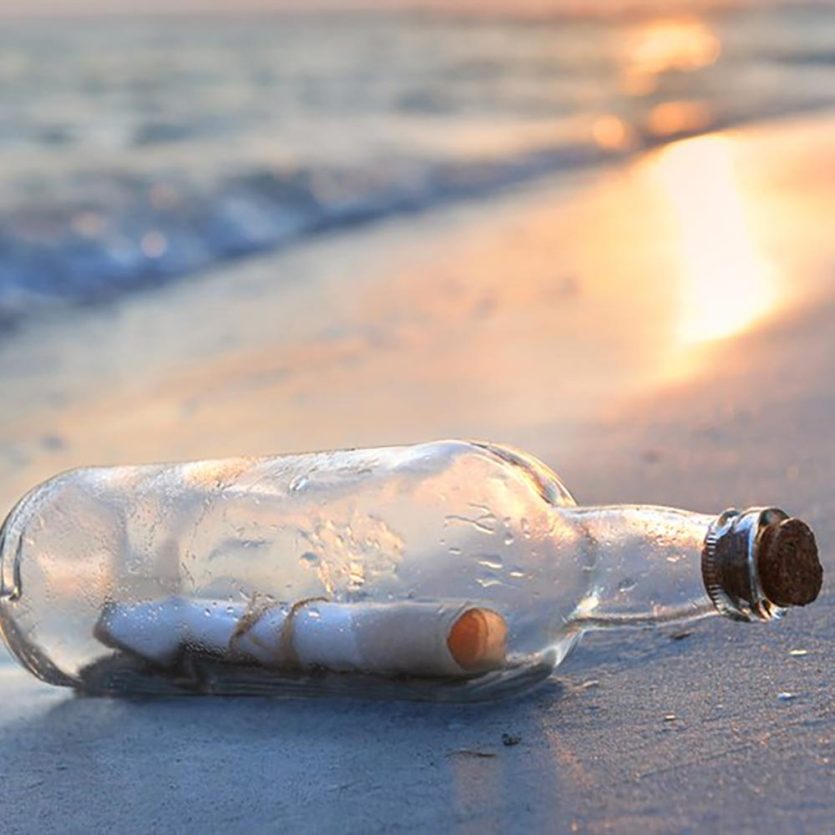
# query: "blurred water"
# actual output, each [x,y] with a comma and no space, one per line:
[132,152]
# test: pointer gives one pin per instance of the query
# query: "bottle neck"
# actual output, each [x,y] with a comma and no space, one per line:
[646,566]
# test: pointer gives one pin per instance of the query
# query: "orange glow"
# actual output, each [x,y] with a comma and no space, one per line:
[683,44]
[676,117]
[726,282]
[610,132]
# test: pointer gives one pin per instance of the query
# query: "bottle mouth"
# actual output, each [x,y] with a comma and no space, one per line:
[758,562]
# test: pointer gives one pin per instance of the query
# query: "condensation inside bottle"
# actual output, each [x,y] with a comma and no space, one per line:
[458,527]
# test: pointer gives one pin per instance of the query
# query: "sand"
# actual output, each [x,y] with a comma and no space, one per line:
[647,361]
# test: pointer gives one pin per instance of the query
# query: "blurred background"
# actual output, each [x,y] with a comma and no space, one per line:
[266,227]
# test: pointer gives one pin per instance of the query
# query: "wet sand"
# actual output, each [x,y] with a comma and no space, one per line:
[521,320]
[646,359]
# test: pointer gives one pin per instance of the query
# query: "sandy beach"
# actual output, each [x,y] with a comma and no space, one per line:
[651,368]
[528,320]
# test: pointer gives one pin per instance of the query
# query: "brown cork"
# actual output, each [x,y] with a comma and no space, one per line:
[478,640]
[789,570]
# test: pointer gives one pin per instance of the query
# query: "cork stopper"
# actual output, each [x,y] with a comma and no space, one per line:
[759,561]
[787,563]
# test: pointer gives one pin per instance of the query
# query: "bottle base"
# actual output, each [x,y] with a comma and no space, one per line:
[123,675]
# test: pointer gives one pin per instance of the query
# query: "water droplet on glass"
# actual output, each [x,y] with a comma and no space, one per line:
[670,717]
[309,558]
[786,697]
[299,483]
[508,538]
[356,575]
[486,523]
[517,574]
[798,653]
[491,561]
[626,584]
[454,551]
[526,528]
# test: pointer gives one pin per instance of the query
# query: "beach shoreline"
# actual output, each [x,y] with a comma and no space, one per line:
[521,319]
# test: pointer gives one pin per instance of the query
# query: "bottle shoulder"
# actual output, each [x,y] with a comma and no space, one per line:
[547,483]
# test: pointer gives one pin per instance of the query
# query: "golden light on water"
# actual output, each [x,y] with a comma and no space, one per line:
[610,132]
[660,46]
[676,117]
[727,283]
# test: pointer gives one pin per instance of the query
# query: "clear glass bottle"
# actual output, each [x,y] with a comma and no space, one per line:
[449,570]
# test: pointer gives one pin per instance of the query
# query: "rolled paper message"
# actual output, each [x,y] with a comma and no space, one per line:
[429,639]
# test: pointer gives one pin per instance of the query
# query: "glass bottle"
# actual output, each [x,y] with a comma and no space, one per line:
[450,571]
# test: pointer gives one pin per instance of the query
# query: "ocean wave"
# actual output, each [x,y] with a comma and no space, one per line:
[115,232]
[133,154]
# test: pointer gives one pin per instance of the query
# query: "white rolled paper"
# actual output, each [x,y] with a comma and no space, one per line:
[448,638]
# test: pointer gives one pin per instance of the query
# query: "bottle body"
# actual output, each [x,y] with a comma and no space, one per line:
[399,533]
[445,571]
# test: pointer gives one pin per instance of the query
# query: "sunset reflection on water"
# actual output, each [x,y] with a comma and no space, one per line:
[727,282]
[652,48]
